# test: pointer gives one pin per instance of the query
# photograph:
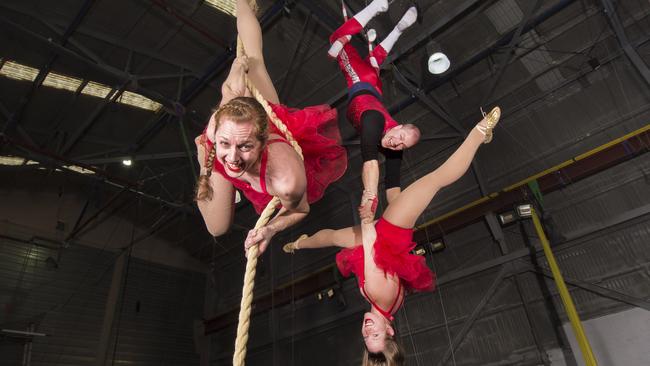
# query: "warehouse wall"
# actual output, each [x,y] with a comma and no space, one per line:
[66,300]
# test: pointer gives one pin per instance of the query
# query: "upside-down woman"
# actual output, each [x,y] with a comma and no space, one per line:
[378,253]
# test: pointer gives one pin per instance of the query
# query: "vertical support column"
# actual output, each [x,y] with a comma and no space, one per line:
[499,237]
[567,301]
[111,306]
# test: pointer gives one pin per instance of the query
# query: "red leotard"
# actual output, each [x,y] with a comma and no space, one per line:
[357,70]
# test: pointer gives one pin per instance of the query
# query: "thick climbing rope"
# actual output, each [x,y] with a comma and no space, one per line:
[239,355]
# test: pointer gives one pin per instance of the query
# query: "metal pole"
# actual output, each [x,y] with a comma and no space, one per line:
[569,307]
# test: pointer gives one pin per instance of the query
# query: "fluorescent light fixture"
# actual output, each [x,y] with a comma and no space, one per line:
[139,101]
[507,218]
[78,169]
[15,161]
[226,6]
[62,82]
[437,246]
[419,251]
[525,210]
[96,90]
[16,71]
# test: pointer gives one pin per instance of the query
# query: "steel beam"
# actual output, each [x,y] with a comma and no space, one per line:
[510,50]
[78,227]
[449,75]
[111,72]
[629,50]
[467,325]
[575,169]
[48,158]
[216,66]
[596,289]
[17,114]
[283,88]
[500,238]
[113,96]
[437,110]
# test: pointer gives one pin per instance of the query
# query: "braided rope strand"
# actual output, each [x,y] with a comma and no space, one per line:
[239,355]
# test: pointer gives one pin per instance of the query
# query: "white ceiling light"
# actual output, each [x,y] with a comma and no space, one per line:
[127,162]
[16,71]
[438,63]
[226,6]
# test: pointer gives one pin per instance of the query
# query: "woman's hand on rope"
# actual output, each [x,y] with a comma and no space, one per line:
[368,207]
[241,62]
[260,237]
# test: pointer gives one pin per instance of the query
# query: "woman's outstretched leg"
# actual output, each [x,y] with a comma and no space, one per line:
[250,33]
[409,205]
[344,238]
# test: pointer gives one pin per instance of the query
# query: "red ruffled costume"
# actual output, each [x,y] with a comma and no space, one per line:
[392,254]
[316,131]
[357,70]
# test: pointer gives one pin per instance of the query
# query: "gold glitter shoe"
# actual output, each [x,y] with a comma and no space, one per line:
[491,120]
[290,248]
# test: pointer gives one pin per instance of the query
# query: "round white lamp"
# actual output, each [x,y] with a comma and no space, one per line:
[438,63]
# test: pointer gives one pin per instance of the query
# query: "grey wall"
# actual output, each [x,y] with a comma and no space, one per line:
[68,304]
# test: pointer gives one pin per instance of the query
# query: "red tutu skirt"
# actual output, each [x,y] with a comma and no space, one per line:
[316,130]
[392,254]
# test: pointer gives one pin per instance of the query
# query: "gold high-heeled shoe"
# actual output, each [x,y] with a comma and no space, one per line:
[491,120]
[290,248]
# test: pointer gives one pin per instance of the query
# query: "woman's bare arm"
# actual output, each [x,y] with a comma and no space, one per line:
[217,212]
[235,84]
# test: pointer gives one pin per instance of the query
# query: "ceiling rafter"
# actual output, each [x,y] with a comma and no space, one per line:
[16,116]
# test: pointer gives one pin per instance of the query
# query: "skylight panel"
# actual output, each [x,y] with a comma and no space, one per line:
[78,169]
[16,71]
[15,161]
[96,90]
[139,101]
[62,82]
[226,6]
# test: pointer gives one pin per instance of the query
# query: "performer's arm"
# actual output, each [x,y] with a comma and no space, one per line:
[235,84]
[286,180]
[217,211]
[284,219]
[392,170]
[368,238]
[372,128]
